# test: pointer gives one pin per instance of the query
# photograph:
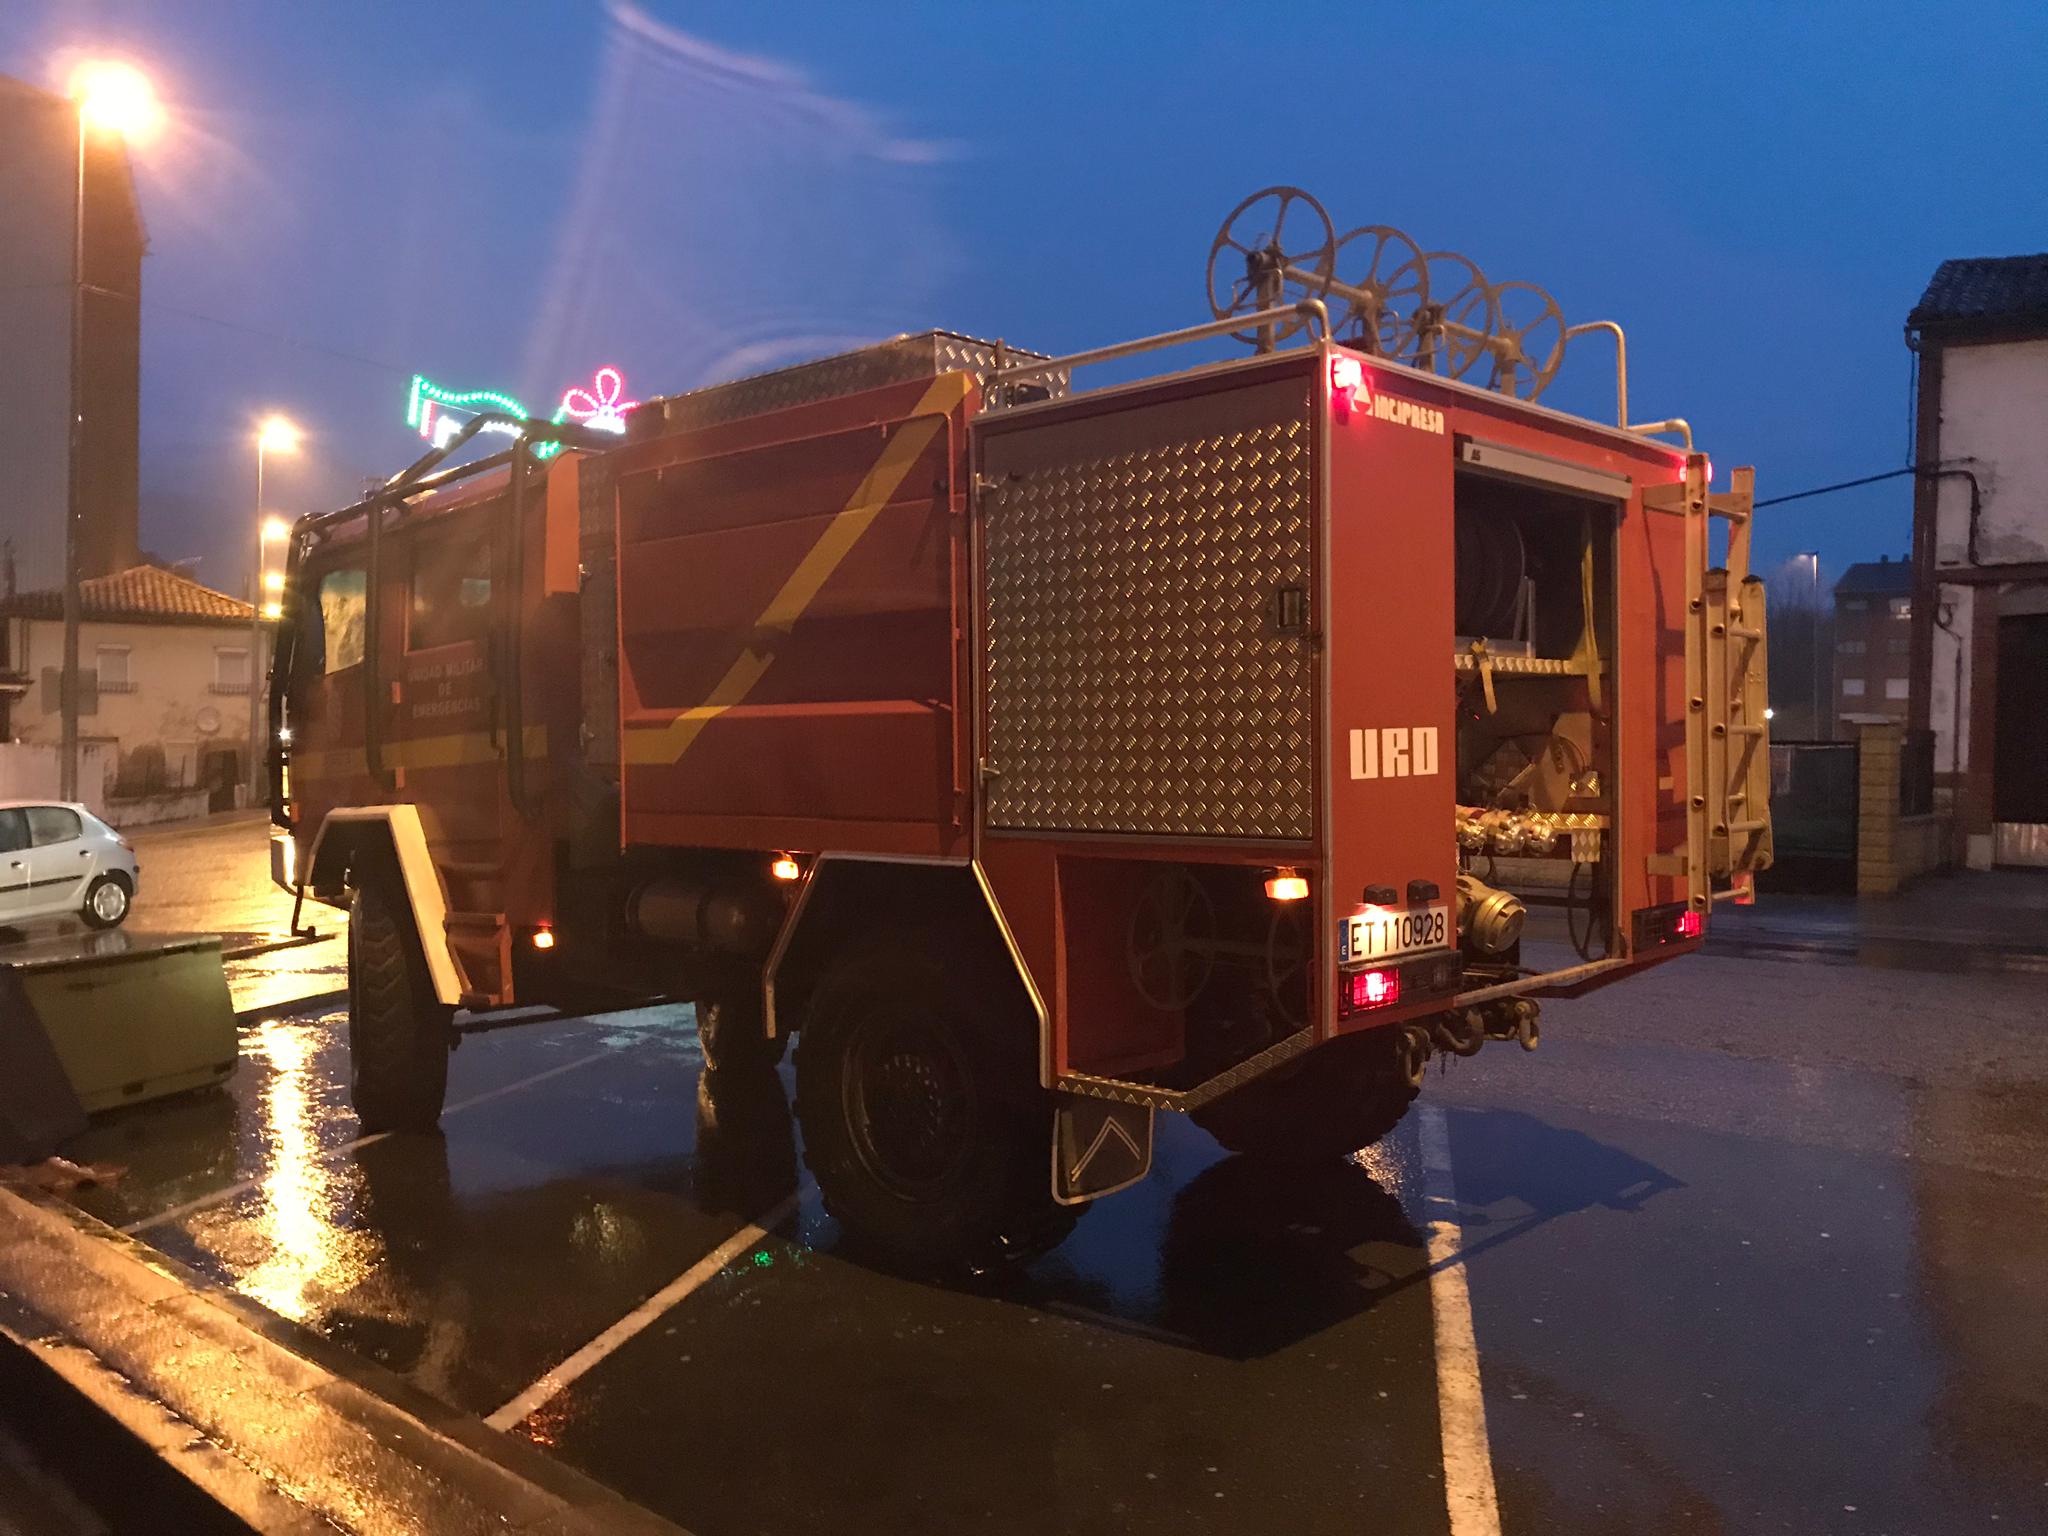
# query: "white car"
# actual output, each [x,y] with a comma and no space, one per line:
[58,859]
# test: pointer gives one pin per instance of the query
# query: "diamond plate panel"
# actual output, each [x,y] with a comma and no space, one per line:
[1136,683]
[923,355]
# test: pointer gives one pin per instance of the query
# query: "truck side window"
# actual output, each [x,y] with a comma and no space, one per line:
[451,591]
[344,605]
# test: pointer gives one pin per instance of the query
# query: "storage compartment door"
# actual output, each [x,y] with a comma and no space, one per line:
[1147,576]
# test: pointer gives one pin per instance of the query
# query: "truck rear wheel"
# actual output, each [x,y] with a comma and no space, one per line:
[398,1031]
[1327,1104]
[923,1119]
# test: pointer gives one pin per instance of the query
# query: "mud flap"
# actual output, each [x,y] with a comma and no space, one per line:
[1098,1147]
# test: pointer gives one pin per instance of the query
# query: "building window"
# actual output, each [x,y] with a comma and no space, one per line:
[1902,607]
[230,669]
[1898,647]
[451,591]
[344,605]
[1849,648]
[1854,605]
[112,666]
[1852,687]
[1895,687]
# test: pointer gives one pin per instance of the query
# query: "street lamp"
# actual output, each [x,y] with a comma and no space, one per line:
[114,100]
[275,435]
[1822,731]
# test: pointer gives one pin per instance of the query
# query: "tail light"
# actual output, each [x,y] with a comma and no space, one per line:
[1675,923]
[1372,989]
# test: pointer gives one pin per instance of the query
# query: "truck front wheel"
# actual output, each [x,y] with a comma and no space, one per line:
[923,1119]
[1325,1105]
[398,1031]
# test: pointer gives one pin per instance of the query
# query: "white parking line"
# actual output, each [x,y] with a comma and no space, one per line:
[637,1320]
[1468,1460]
[244,1186]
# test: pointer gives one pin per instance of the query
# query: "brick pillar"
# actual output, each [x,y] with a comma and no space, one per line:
[1878,747]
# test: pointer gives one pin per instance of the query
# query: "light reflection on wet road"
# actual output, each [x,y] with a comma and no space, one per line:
[1751,1245]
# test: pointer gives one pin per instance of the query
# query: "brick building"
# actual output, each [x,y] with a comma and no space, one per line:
[1873,644]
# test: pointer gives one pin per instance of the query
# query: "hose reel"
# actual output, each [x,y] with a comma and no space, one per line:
[1433,310]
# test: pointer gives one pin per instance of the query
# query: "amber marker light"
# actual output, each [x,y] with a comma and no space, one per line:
[786,867]
[543,938]
[1286,885]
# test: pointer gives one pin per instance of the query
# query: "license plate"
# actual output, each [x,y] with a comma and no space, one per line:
[1383,934]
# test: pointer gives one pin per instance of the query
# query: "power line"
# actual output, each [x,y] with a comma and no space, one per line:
[279,336]
[1840,485]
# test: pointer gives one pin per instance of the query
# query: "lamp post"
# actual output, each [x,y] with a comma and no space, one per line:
[114,100]
[276,435]
[1822,729]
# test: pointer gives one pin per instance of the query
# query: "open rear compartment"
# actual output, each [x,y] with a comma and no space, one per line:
[1536,728]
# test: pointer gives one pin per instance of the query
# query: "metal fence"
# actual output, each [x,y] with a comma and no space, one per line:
[1813,798]
[1916,774]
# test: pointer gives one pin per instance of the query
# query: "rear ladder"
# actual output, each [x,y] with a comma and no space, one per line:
[1727,731]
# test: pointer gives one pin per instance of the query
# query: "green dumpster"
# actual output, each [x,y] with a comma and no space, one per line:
[130,1018]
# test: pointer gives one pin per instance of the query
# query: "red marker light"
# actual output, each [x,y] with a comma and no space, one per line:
[1347,381]
[1375,989]
[1690,925]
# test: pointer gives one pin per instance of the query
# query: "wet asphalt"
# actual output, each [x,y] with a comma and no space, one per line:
[1758,1242]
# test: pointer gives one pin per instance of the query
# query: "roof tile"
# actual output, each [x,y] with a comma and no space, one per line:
[142,594]
[1986,289]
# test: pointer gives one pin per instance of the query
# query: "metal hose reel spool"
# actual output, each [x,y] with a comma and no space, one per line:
[1391,285]
[1430,309]
[1254,265]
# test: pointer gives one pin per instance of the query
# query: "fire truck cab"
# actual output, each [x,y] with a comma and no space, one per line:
[1037,758]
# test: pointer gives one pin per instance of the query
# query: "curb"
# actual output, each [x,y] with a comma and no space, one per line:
[250,1418]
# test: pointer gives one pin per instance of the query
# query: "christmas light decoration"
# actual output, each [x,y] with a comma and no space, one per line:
[437,413]
[599,406]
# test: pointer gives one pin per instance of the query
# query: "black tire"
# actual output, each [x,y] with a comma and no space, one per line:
[731,1031]
[1327,1104]
[89,908]
[923,1119]
[399,1033]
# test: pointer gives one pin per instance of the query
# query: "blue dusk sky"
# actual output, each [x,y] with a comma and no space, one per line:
[508,196]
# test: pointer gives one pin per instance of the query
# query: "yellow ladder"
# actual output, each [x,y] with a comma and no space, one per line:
[1727,734]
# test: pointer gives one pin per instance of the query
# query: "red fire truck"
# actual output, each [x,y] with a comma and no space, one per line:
[1039,758]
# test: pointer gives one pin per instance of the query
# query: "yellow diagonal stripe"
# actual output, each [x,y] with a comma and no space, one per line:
[668,742]
[461,750]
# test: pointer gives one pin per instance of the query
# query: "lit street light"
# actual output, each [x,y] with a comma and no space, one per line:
[116,101]
[1823,724]
[276,435]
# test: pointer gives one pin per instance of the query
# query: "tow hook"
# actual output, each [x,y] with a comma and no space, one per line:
[1462,1031]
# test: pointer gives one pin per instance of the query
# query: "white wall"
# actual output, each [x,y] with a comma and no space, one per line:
[1994,410]
[1951,755]
[174,704]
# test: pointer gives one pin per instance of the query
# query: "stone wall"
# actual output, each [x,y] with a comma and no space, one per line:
[1891,850]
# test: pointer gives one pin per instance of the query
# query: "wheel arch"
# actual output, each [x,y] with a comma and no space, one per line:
[847,895]
[355,837]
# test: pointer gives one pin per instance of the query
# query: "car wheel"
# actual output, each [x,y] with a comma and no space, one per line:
[106,901]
